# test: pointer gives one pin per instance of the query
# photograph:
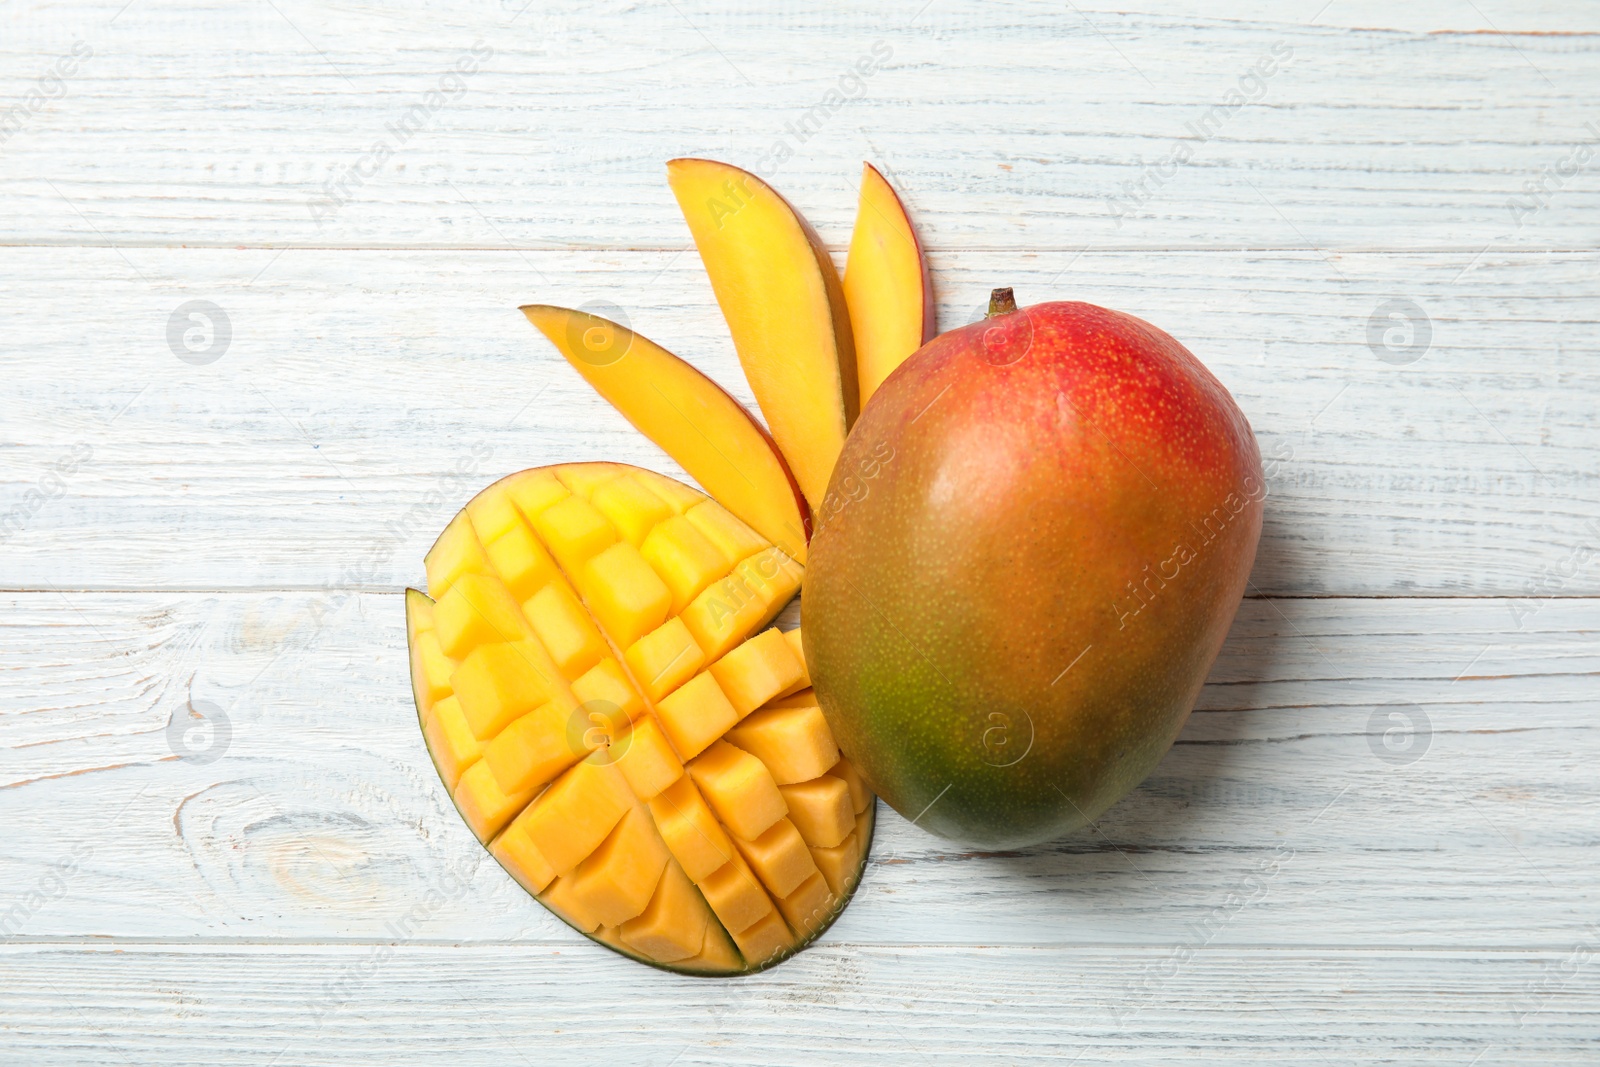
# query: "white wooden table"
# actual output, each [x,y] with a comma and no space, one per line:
[1375,842]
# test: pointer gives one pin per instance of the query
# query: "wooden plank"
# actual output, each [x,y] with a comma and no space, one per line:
[1020,126]
[1280,818]
[448,1004]
[364,396]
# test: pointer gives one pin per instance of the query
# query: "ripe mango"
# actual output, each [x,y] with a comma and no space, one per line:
[1030,552]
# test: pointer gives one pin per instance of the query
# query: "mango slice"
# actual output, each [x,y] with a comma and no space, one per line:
[600,697]
[887,286]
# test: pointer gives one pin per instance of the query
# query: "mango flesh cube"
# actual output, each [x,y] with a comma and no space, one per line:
[665,658]
[722,528]
[691,831]
[684,558]
[695,714]
[799,650]
[619,877]
[632,508]
[605,690]
[821,810]
[478,610]
[564,897]
[492,513]
[718,954]
[763,939]
[534,749]
[779,857]
[679,497]
[577,812]
[524,862]
[736,896]
[484,806]
[585,478]
[794,743]
[673,926]
[646,759]
[739,789]
[809,906]
[455,553]
[534,491]
[721,615]
[624,593]
[773,576]
[522,562]
[860,795]
[430,671]
[450,740]
[498,683]
[565,629]
[757,671]
[573,531]
[838,864]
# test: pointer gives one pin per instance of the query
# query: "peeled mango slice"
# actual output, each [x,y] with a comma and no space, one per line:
[617,725]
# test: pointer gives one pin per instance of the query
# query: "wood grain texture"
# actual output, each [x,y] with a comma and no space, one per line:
[1374,841]
[512,1004]
[323,819]
[1010,125]
[365,395]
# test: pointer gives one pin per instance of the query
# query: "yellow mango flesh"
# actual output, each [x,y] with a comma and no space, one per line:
[886,284]
[785,308]
[582,722]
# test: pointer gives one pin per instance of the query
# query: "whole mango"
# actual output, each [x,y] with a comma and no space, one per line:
[1031,550]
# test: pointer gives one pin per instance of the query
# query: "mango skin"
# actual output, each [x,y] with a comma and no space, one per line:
[1031,550]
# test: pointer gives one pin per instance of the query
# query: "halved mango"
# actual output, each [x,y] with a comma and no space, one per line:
[650,832]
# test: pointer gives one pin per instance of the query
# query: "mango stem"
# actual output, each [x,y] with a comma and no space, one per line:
[1001,302]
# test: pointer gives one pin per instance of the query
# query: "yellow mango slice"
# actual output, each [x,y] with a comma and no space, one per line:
[722,614]
[493,514]
[691,831]
[685,558]
[564,896]
[577,812]
[606,690]
[809,905]
[450,740]
[820,809]
[518,855]
[522,562]
[860,795]
[794,743]
[498,683]
[736,896]
[673,926]
[478,610]
[624,594]
[535,748]
[565,629]
[795,646]
[779,857]
[647,760]
[665,658]
[839,863]
[886,284]
[757,671]
[739,789]
[732,538]
[484,806]
[430,671]
[631,507]
[695,715]
[764,939]
[619,877]
[574,531]
[534,491]
[455,553]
